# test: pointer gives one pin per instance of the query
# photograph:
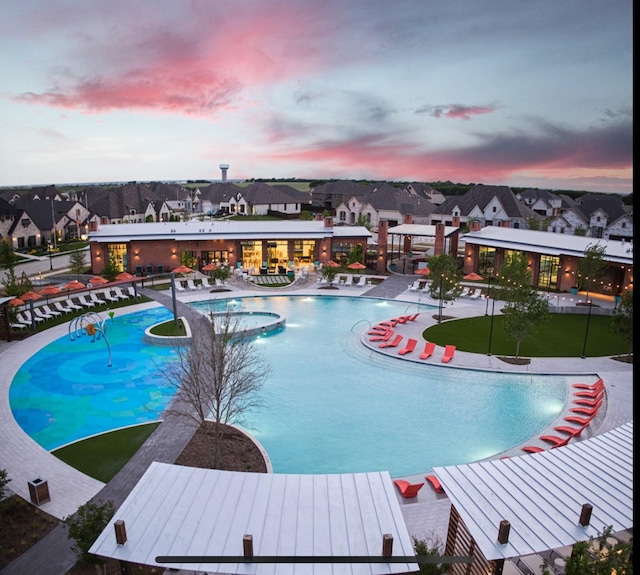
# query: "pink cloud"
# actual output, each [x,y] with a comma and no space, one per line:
[202,63]
[455,111]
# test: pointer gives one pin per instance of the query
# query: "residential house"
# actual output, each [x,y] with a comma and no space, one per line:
[490,205]
[542,202]
[258,198]
[595,215]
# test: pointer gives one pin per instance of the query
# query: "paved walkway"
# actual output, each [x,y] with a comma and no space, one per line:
[426,517]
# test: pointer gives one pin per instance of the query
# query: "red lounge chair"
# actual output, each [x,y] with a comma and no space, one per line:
[434,483]
[591,394]
[378,331]
[385,337]
[533,449]
[587,402]
[408,489]
[579,420]
[587,386]
[411,345]
[401,319]
[449,350]
[413,317]
[394,343]
[572,431]
[557,441]
[587,410]
[429,348]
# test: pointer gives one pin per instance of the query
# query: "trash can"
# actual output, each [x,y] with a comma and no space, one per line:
[39,491]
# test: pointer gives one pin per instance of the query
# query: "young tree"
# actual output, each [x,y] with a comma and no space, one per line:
[445,279]
[622,320]
[85,527]
[77,262]
[355,255]
[218,376]
[111,269]
[591,267]
[524,315]
[4,480]
[514,280]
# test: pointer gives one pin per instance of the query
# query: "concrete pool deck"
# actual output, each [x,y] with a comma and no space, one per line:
[426,516]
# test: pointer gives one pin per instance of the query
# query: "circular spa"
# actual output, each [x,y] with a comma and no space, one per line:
[330,405]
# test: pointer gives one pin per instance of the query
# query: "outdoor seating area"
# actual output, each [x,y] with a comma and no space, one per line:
[595,391]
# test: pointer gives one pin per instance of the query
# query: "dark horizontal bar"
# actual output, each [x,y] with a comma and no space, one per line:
[310,559]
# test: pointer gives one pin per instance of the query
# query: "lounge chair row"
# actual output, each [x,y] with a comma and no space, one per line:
[587,400]
[45,311]
[408,489]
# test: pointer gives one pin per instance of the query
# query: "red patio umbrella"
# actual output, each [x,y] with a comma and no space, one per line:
[49,290]
[73,284]
[423,271]
[30,295]
[209,267]
[182,270]
[473,277]
[357,266]
[16,301]
[98,281]
[332,264]
[124,276]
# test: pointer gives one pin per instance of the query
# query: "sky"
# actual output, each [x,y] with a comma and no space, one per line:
[499,92]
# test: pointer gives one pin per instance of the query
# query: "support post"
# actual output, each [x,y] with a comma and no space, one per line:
[585,514]
[247,546]
[503,532]
[387,545]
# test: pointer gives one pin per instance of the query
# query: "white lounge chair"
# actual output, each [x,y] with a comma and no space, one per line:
[61,307]
[362,281]
[15,325]
[465,291]
[205,283]
[84,302]
[349,281]
[476,294]
[28,317]
[415,286]
[179,286]
[120,294]
[132,291]
[40,312]
[23,319]
[191,285]
[106,294]
[95,299]
[50,311]
[220,283]
[73,306]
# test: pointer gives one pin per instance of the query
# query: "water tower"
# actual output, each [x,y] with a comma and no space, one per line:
[224,168]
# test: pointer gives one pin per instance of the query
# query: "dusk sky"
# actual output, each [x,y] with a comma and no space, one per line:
[503,92]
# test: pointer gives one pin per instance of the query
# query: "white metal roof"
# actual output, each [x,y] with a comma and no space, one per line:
[542,494]
[184,511]
[421,230]
[549,243]
[224,229]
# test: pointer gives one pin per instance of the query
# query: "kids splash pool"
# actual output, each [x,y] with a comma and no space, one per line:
[330,405]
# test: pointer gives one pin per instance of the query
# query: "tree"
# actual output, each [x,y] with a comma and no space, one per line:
[523,316]
[591,267]
[218,376]
[85,527]
[423,549]
[111,268]
[4,480]
[77,262]
[329,272]
[355,255]
[598,557]
[514,279]
[445,279]
[622,320]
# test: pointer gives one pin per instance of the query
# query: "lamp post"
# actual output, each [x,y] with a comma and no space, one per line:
[586,333]
[50,257]
[440,311]
[486,307]
[493,306]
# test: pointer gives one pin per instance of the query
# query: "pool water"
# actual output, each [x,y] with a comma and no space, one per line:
[330,405]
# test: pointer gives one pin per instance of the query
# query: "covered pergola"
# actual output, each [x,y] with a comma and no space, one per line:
[542,497]
[402,237]
[196,515]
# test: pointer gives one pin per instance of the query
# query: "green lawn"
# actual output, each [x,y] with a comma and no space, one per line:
[102,456]
[562,336]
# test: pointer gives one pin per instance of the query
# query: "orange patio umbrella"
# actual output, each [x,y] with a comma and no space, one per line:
[182,270]
[357,266]
[16,301]
[332,264]
[423,271]
[30,295]
[124,276]
[49,290]
[98,281]
[473,277]
[209,267]
[73,284]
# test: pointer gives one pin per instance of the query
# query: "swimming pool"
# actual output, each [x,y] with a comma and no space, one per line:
[330,405]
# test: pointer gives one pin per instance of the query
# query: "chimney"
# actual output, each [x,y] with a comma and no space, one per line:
[438,245]
[475,226]
[455,221]
[328,222]
[93,226]
[408,219]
